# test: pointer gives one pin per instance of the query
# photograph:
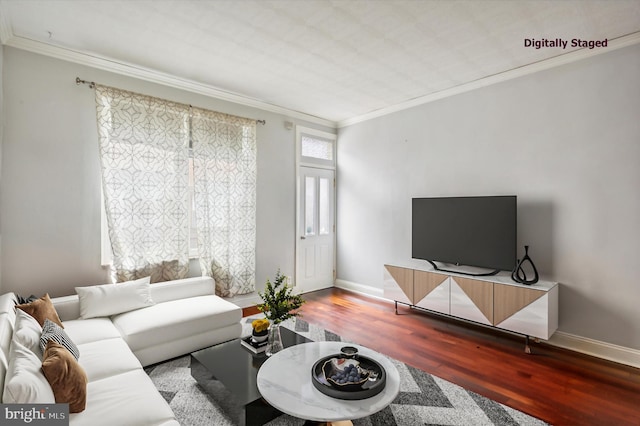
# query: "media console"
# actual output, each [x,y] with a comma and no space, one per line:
[495,301]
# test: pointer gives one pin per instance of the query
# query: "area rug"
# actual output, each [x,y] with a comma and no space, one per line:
[424,399]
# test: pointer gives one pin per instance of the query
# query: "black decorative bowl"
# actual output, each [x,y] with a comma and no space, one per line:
[372,377]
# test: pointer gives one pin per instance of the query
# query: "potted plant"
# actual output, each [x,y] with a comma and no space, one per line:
[260,330]
[279,304]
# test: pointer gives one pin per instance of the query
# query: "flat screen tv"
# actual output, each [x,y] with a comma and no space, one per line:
[471,231]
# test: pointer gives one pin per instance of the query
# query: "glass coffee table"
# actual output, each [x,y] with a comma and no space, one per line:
[237,369]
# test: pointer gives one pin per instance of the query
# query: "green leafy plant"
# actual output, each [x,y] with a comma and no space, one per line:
[279,302]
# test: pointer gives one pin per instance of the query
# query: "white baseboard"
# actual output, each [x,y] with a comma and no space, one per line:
[359,288]
[596,348]
[604,350]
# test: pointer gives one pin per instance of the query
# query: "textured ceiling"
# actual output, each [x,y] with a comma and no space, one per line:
[336,60]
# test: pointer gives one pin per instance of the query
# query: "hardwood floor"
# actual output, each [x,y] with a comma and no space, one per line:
[556,385]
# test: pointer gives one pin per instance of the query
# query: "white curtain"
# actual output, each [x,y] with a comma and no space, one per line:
[144,152]
[224,158]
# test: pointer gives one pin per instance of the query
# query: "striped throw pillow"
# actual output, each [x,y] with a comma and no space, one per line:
[52,331]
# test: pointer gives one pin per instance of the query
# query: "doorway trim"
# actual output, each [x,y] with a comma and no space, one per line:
[302,161]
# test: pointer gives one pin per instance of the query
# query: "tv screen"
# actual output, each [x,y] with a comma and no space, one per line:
[472,231]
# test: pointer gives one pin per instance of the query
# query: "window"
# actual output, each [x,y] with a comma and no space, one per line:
[107,254]
[177,178]
[317,151]
[323,207]
[309,205]
[317,148]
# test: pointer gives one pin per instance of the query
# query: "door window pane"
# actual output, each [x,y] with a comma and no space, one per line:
[323,204]
[309,205]
[317,148]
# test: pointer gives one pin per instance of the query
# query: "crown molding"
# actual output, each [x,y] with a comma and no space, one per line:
[142,73]
[546,64]
[119,67]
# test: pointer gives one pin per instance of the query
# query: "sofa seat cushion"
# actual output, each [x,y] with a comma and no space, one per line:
[125,399]
[175,319]
[106,358]
[90,330]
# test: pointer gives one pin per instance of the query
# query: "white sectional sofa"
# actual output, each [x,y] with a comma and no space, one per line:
[186,316]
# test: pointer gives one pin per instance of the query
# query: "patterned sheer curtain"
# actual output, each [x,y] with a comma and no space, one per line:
[224,166]
[145,175]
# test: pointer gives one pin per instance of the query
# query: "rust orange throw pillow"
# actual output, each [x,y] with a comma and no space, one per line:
[66,377]
[42,309]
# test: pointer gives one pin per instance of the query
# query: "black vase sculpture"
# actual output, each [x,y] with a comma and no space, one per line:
[519,275]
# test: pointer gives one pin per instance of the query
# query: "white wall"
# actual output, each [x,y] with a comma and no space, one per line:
[566,141]
[50,217]
[1,142]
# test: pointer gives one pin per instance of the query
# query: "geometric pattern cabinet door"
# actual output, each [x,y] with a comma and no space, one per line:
[431,291]
[526,311]
[472,300]
[398,284]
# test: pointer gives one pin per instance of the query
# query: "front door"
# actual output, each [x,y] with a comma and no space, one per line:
[316,229]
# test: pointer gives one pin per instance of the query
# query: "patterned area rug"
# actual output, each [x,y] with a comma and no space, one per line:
[424,399]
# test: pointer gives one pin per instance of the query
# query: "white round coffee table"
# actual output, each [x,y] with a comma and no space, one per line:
[284,381]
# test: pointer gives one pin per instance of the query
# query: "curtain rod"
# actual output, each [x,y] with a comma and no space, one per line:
[92,85]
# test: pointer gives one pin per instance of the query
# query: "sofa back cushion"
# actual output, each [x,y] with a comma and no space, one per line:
[25,382]
[68,307]
[27,331]
[7,321]
[182,289]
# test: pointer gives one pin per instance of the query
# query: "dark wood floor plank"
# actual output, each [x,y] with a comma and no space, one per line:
[559,386]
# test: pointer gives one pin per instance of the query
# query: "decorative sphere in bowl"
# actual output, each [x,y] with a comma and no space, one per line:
[344,373]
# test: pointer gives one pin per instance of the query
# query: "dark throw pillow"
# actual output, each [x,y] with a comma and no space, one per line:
[24,300]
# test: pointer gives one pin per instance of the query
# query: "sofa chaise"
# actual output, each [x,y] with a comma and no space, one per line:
[181,317]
